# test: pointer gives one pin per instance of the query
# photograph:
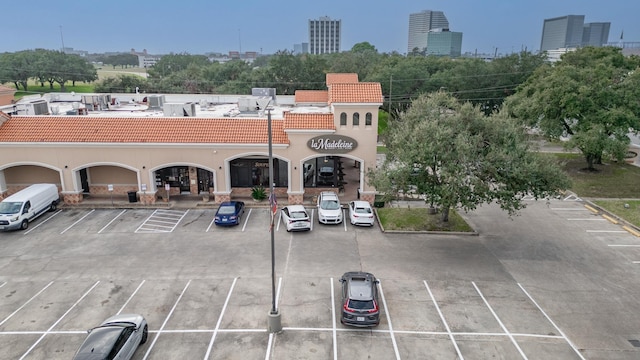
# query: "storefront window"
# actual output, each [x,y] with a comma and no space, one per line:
[252,172]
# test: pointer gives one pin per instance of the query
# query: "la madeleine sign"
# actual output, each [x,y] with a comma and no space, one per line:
[334,144]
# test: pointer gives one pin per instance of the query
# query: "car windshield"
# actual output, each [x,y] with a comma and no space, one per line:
[363,210]
[99,341]
[361,304]
[330,205]
[10,207]
[227,210]
[298,215]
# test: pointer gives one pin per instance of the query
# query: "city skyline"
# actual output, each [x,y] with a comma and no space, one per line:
[198,27]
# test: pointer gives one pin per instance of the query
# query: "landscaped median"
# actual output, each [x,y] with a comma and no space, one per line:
[414,219]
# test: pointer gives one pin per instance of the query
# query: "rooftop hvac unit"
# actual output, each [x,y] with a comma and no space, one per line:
[40,107]
[246,104]
[156,102]
[97,102]
[179,109]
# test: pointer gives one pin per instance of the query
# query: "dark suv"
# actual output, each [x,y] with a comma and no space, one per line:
[360,299]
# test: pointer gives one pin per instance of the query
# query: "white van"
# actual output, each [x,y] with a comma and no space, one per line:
[17,210]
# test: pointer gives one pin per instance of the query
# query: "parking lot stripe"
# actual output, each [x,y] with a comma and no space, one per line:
[344,220]
[551,321]
[333,317]
[246,221]
[57,321]
[386,311]
[311,219]
[164,323]
[25,304]
[43,221]
[79,220]
[131,296]
[605,231]
[224,308]
[114,219]
[620,245]
[586,219]
[444,321]
[504,328]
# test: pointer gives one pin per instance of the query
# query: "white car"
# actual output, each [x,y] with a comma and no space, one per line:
[360,213]
[118,337]
[329,208]
[296,218]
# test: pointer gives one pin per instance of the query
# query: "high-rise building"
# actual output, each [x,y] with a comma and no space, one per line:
[595,34]
[419,26]
[324,35]
[570,31]
[442,42]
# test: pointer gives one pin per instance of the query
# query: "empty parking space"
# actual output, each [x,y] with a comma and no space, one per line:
[213,318]
[162,221]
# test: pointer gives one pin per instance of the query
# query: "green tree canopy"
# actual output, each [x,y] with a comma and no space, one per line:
[590,97]
[457,157]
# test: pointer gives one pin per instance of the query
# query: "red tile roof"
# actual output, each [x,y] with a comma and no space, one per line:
[43,129]
[308,121]
[355,93]
[312,96]
[334,78]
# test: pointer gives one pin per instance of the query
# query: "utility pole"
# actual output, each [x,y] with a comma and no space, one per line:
[62,38]
[274,319]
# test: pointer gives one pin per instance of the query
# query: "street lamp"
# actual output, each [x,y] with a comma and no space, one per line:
[274,320]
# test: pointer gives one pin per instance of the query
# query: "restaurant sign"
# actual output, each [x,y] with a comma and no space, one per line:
[332,144]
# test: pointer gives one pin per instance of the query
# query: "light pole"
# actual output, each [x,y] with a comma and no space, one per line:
[274,321]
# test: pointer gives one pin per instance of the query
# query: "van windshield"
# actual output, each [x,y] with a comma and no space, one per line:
[10,207]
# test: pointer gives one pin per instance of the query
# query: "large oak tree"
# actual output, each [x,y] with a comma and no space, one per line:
[457,157]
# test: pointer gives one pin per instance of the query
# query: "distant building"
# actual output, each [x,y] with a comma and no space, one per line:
[442,42]
[144,59]
[570,31]
[72,51]
[419,26]
[325,36]
[302,48]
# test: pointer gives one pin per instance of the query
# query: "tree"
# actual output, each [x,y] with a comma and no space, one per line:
[459,158]
[364,47]
[590,97]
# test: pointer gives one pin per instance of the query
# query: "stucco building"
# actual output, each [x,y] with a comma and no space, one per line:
[157,145]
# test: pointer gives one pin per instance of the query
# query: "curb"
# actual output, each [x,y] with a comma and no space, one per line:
[375,210]
[613,218]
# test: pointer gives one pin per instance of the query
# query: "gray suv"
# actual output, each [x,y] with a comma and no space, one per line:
[360,299]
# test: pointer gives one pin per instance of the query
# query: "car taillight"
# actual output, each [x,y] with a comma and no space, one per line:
[375,307]
[346,307]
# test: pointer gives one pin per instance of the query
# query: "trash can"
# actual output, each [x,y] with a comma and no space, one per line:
[132,196]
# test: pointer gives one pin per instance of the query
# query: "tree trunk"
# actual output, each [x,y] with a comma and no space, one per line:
[51,85]
[590,160]
[24,85]
[445,214]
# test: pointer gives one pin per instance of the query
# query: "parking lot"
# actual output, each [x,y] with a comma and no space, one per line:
[547,284]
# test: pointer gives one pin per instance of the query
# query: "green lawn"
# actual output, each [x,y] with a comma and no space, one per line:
[611,180]
[419,219]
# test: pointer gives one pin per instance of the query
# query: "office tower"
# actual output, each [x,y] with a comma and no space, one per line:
[595,34]
[420,24]
[444,43]
[324,35]
[562,32]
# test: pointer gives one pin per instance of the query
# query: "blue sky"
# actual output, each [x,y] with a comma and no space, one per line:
[199,26]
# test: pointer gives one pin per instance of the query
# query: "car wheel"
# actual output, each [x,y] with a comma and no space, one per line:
[53,206]
[145,334]
[24,225]
[288,230]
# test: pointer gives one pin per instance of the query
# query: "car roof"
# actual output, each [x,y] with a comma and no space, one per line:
[295,207]
[360,285]
[328,194]
[99,342]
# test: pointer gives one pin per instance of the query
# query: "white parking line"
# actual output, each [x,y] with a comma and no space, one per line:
[344,220]
[224,308]
[605,231]
[616,245]
[131,297]
[162,221]
[587,219]
[59,319]
[43,221]
[311,218]
[444,321]
[25,304]
[568,209]
[246,221]
[333,317]
[504,328]
[114,219]
[166,319]
[386,311]
[82,218]
[552,323]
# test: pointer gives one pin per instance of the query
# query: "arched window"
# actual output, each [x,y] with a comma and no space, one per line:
[356,119]
[367,119]
[343,119]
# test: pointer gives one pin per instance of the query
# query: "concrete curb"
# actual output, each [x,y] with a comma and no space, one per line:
[613,218]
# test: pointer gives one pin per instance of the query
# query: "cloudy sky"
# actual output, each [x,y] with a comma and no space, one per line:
[200,26]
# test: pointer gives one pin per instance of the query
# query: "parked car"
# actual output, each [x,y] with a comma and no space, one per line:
[360,299]
[360,213]
[325,175]
[118,337]
[329,209]
[296,218]
[229,213]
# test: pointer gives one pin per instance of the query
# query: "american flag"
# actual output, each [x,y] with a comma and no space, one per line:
[274,208]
